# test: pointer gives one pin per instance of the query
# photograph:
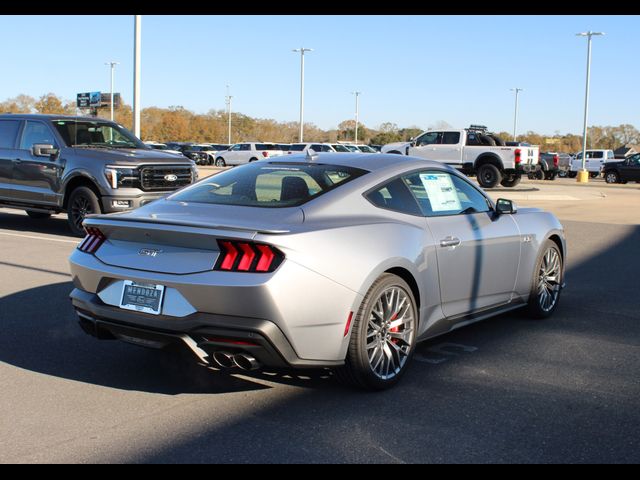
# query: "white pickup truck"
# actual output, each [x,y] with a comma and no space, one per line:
[474,151]
[595,160]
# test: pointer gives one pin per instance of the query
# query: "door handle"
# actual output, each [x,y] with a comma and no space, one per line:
[450,242]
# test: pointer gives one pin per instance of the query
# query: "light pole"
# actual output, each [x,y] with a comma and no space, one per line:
[583,175]
[357,94]
[228,102]
[515,115]
[302,50]
[113,66]
[137,32]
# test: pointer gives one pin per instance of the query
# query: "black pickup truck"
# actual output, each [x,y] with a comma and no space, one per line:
[81,165]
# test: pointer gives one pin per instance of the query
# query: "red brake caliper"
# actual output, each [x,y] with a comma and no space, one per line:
[394,329]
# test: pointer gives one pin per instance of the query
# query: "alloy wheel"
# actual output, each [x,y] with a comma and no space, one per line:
[549,280]
[80,208]
[390,332]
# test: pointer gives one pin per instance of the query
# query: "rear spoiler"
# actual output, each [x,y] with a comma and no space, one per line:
[111,226]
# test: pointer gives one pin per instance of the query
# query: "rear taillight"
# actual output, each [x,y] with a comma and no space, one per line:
[92,242]
[517,154]
[265,154]
[555,160]
[240,256]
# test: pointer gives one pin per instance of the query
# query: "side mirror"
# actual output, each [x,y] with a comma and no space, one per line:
[506,207]
[44,150]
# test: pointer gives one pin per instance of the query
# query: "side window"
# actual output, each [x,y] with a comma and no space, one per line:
[429,138]
[245,147]
[36,132]
[395,196]
[635,159]
[451,138]
[441,193]
[8,133]
[596,155]
[610,155]
[235,148]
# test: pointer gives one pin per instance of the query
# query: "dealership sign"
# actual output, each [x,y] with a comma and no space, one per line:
[96,100]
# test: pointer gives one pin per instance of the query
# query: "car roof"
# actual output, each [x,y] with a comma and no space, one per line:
[367,161]
[42,116]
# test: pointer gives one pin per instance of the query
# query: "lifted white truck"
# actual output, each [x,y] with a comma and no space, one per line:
[474,151]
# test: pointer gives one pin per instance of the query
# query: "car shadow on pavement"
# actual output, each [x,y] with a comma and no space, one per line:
[55,225]
[40,333]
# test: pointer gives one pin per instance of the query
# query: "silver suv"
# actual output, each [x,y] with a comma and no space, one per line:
[81,165]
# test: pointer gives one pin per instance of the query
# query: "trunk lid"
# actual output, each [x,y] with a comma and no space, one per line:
[181,238]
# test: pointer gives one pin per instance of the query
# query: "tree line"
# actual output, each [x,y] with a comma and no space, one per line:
[176,123]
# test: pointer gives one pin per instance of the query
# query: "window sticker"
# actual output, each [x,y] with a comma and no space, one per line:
[441,192]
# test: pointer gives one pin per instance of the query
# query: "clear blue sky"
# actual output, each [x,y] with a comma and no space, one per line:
[412,70]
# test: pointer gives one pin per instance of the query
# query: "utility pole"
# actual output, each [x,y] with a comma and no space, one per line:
[112,65]
[515,115]
[228,102]
[136,74]
[302,50]
[357,94]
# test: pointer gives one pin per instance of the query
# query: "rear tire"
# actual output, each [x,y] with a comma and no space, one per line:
[546,282]
[383,336]
[38,215]
[489,176]
[511,181]
[82,202]
[572,174]
[593,174]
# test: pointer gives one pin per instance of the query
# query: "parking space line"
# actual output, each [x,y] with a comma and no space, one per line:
[40,238]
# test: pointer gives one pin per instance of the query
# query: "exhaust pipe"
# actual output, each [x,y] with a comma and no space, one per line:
[223,359]
[245,362]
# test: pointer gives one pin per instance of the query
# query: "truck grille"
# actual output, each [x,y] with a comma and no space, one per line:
[164,177]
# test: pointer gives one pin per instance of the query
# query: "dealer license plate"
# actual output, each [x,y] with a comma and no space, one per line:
[142,297]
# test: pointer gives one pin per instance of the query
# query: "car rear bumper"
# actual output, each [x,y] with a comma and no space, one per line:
[201,333]
[300,313]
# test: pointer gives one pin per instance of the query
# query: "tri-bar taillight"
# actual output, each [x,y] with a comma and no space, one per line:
[92,241]
[518,156]
[243,256]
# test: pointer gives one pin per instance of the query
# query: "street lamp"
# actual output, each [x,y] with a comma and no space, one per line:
[583,175]
[357,94]
[228,102]
[515,115]
[302,50]
[113,66]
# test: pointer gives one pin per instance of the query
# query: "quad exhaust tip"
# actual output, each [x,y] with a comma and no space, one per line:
[245,362]
[241,360]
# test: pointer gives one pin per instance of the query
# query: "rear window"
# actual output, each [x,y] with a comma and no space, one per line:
[266,146]
[270,185]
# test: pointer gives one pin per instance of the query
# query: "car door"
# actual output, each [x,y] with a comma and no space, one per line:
[231,156]
[449,150]
[630,169]
[37,179]
[478,251]
[8,137]
[425,145]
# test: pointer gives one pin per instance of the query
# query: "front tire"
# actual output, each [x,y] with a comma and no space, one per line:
[612,177]
[489,176]
[220,162]
[383,336]
[547,282]
[82,202]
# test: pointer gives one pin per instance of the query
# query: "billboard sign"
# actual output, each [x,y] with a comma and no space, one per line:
[94,99]
[83,100]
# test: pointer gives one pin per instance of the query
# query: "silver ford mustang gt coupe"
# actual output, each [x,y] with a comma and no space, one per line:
[341,261]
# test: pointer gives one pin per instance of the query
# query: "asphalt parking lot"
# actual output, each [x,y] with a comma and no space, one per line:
[504,390]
